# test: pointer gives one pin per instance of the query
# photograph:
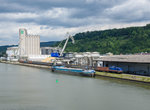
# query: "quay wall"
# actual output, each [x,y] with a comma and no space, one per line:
[26,64]
[137,78]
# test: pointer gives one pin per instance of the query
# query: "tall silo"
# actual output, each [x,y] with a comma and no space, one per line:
[28,44]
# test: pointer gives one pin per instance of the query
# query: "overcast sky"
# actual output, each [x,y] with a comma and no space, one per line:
[52,19]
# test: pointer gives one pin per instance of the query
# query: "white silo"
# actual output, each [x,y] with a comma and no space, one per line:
[28,44]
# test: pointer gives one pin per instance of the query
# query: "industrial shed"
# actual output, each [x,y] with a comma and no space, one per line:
[132,64]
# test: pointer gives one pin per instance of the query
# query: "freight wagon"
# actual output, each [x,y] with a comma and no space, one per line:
[112,69]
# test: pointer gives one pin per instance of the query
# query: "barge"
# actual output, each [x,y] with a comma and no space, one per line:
[75,71]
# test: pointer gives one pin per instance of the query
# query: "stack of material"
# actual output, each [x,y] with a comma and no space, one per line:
[38,58]
[49,59]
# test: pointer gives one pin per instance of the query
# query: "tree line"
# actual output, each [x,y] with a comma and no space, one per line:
[117,41]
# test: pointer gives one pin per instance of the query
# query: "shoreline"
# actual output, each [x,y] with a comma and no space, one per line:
[129,77]
[26,64]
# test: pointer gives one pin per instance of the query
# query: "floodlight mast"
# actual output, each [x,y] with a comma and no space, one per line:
[69,36]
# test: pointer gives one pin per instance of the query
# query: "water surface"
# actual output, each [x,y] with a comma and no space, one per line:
[27,88]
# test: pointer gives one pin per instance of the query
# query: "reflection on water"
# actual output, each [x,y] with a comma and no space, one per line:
[27,88]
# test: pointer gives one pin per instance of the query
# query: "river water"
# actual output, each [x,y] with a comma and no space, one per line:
[27,88]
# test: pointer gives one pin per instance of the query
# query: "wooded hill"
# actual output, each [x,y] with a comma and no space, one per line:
[118,41]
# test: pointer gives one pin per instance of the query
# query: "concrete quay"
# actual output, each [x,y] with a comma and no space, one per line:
[25,64]
[136,78]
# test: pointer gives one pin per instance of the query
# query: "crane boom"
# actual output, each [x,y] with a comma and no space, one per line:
[66,43]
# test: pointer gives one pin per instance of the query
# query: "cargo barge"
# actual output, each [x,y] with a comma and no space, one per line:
[75,71]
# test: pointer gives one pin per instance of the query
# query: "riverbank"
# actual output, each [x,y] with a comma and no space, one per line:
[26,64]
[137,78]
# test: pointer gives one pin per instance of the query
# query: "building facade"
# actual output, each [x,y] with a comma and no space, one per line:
[132,64]
[49,50]
[12,53]
[28,44]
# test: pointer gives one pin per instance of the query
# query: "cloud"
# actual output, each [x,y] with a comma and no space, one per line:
[51,19]
[130,11]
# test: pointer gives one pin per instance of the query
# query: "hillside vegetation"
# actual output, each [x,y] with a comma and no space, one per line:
[118,41]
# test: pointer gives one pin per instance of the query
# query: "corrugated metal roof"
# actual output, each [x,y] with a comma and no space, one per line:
[127,58]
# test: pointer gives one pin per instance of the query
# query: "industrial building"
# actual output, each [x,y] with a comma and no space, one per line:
[28,44]
[12,53]
[84,59]
[132,64]
[29,48]
[49,50]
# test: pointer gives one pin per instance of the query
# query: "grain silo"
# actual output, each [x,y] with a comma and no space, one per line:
[28,44]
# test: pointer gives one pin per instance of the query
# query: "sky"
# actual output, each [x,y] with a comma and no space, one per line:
[52,19]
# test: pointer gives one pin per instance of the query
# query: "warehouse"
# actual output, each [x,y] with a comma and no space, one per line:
[132,64]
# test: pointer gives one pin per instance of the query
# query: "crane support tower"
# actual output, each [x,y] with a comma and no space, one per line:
[69,36]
